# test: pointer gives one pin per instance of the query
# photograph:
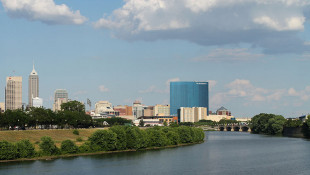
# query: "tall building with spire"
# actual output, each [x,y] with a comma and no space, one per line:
[33,86]
[13,93]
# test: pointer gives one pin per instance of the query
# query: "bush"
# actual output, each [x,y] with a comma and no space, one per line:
[121,142]
[8,151]
[76,132]
[86,148]
[68,147]
[185,134]
[173,138]
[79,139]
[25,149]
[156,138]
[104,139]
[48,146]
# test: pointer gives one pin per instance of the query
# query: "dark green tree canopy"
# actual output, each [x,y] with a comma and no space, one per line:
[73,106]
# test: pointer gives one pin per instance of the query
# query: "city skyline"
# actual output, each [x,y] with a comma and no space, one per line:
[92,54]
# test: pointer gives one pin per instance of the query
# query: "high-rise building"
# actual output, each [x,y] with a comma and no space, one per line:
[61,96]
[188,94]
[13,93]
[33,86]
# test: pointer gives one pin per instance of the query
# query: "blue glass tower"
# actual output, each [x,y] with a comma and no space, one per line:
[188,94]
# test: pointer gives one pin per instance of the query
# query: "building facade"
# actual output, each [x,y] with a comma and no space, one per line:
[162,110]
[188,94]
[123,110]
[2,107]
[33,86]
[104,109]
[148,111]
[137,110]
[193,114]
[37,102]
[60,97]
[13,93]
[223,111]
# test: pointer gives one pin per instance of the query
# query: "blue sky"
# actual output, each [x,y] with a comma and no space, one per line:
[255,54]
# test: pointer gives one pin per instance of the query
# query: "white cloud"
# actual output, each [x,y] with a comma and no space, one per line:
[223,55]
[270,25]
[303,95]
[45,11]
[102,88]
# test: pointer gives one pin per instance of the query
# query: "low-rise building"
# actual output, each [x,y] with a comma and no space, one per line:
[103,109]
[223,111]
[2,107]
[137,109]
[123,110]
[161,110]
[150,122]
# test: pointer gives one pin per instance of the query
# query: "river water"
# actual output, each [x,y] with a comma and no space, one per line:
[221,153]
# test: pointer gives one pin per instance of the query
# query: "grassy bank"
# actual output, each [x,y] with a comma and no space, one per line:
[58,136]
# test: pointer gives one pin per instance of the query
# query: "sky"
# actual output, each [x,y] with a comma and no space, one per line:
[254,53]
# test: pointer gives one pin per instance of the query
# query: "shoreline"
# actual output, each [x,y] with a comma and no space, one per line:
[48,158]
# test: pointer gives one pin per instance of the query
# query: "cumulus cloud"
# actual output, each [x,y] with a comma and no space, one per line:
[270,25]
[45,11]
[231,55]
[102,88]
[303,95]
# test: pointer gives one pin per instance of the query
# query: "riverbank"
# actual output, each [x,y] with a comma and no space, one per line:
[48,158]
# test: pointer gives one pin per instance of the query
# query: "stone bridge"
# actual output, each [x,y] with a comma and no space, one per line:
[235,127]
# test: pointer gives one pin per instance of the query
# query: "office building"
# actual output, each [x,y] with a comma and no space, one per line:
[33,86]
[188,94]
[162,110]
[137,109]
[148,111]
[193,114]
[13,93]
[61,96]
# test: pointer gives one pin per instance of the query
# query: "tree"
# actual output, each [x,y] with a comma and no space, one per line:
[8,151]
[121,142]
[68,147]
[73,106]
[25,149]
[48,146]
[267,124]
[156,137]
[104,139]
[141,123]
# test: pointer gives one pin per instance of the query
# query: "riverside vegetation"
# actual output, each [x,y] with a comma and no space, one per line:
[272,124]
[116,138]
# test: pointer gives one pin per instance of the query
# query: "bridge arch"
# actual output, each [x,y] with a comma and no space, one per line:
[236,128]
[228,128]
[245,128]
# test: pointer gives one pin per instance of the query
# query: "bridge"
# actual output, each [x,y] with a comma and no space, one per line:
[235,127]
[228,127]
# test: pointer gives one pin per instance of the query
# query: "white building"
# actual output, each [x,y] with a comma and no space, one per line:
[162,110]
[37,102]
[151,122]
[61,96]
[193,114]
[104,109]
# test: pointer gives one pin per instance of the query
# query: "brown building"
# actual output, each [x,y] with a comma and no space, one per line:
[123,110]
[223,111]
[148,111]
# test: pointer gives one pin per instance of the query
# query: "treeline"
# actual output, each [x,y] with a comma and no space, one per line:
[116,138]
[210,123]
[44,119]
[272,124]
[72,115]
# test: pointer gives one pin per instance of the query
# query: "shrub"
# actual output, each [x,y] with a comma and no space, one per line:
[48,146]
[79,139]
[25,149]
[185,134]
[8,151]
[68,147]
[86,148]
[121,142]
[156,138]
[173,138]
[104,139]
[76,132]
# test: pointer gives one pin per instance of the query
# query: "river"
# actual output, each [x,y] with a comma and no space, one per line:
[222,153]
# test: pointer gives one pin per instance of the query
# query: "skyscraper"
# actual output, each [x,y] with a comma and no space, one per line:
[13,93]
[33,86]
[188,94]
[61,96]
